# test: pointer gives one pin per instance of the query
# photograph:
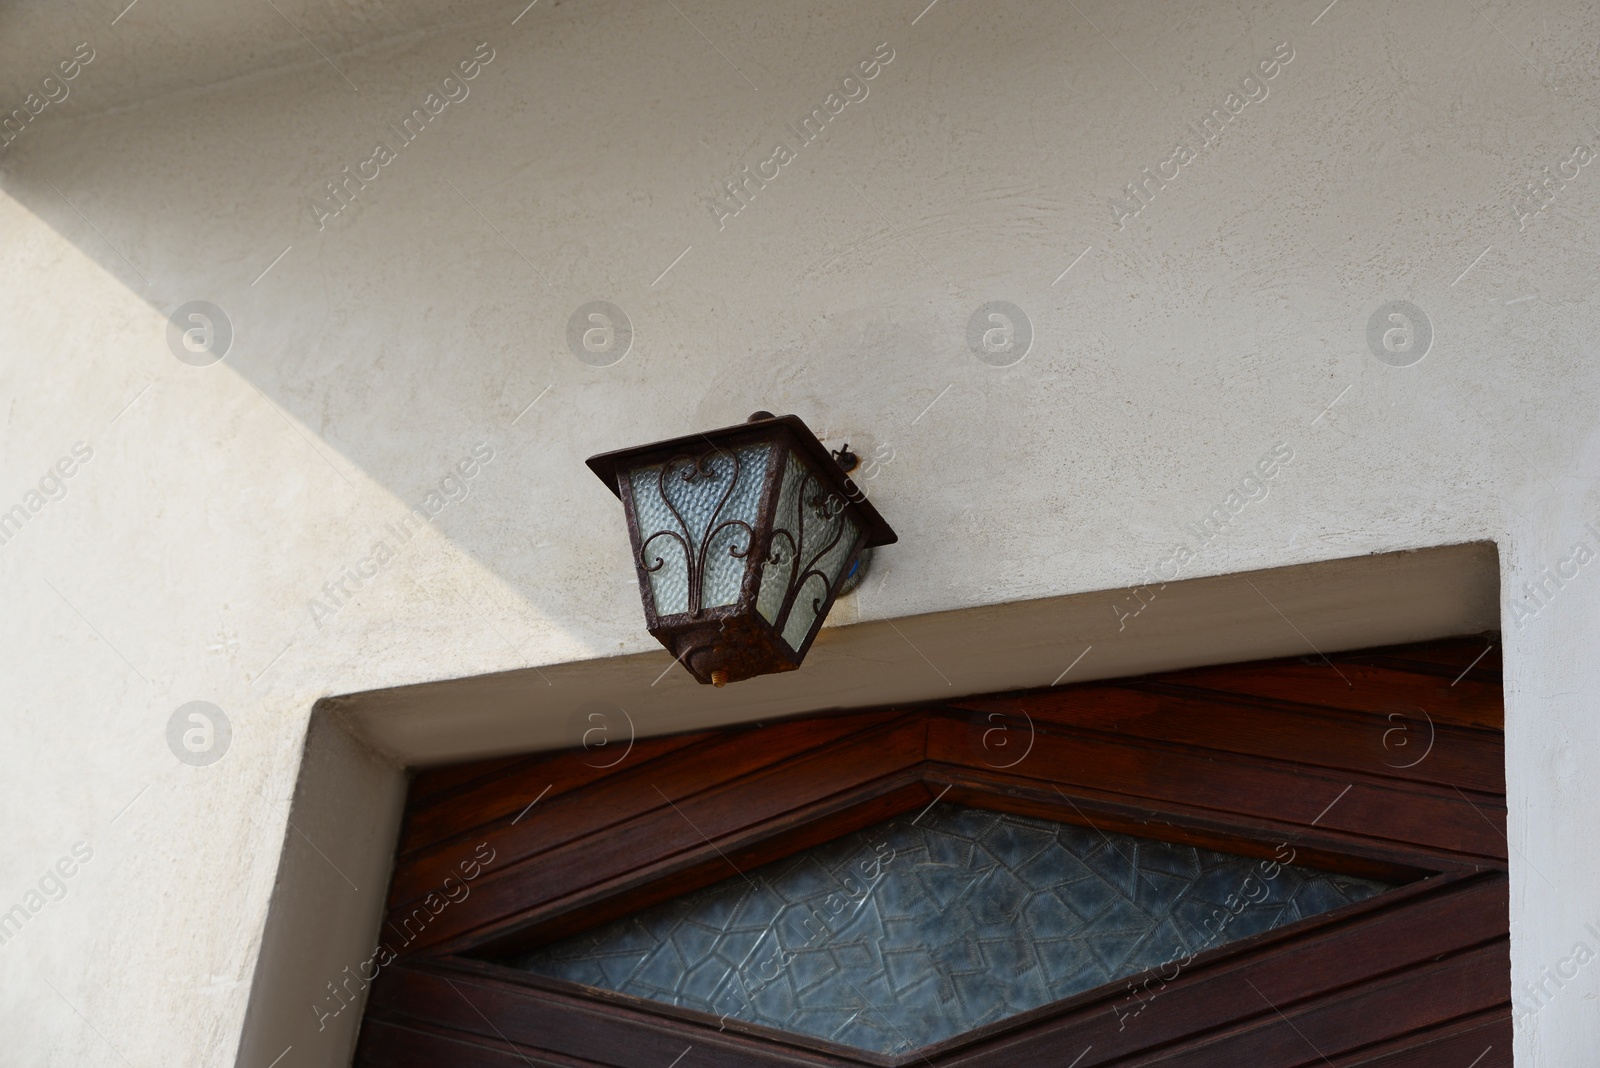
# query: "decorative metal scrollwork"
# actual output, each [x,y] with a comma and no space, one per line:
[827,507]
[695,550]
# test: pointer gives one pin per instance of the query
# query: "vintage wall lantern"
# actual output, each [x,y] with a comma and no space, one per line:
[742,538]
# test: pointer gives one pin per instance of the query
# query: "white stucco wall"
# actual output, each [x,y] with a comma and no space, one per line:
[1385,162]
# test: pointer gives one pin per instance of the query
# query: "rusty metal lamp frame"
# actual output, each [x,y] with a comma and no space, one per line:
[731,642]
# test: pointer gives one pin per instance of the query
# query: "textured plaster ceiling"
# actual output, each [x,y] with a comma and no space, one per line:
[153,48]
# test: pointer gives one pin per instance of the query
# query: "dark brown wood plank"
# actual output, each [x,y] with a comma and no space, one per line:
[1477,980]
[1228,833]
[1479,652]
[455,815]
[1483,1040]
[1469,703]
[596,800]
[678,830]
[1393,745]
[605,1028]
[385,1044]
[1263,790]
[428,783]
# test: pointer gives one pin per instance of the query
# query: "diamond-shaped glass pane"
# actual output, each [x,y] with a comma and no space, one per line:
[926,926]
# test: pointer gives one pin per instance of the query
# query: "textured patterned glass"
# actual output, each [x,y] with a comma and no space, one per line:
[806,559]
[686,507]
[926,926]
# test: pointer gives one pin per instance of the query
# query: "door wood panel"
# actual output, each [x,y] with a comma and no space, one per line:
[486,799]
[632,792]
[674,835]
[1368,804]
[1274,730]
[1384,763]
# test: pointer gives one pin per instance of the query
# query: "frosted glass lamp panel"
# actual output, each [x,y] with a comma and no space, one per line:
[809,516]
[709,517]
[778,567]
[813,593]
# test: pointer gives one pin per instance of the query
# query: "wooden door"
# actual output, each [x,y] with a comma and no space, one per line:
[1382,768]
